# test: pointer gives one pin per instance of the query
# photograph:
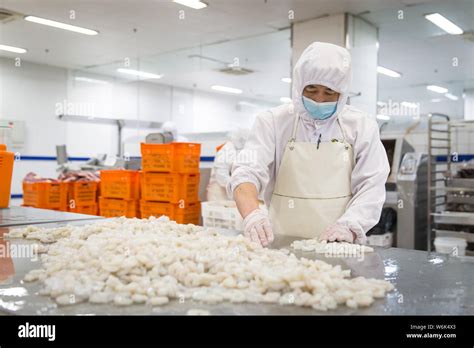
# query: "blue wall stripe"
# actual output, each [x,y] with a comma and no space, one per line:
[207,159]
[50,158]
[460,158]
[53,158]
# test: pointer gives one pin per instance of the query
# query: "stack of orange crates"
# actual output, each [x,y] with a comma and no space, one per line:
[82,197]
[170,181]
[45,195]
[119,193]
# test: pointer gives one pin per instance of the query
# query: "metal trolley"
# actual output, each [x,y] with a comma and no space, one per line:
[444,189]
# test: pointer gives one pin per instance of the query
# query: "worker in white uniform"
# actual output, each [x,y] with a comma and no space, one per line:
[317,162]
[170,127]
[221,170]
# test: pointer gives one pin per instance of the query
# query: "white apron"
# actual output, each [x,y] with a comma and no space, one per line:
[313,186]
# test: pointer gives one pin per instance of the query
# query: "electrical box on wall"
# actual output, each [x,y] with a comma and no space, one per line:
[16,132]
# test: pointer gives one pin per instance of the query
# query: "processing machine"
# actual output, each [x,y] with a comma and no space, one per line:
[403,219]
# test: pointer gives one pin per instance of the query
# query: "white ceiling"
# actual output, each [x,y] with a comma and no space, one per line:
[252,30]
[157,21]
[424,54]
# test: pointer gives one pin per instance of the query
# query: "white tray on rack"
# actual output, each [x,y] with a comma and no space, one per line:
[454,218]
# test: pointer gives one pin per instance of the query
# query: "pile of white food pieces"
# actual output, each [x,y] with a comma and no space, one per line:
[126,261]
[331,248]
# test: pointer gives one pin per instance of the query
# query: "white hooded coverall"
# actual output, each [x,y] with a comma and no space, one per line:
[221,173]
[221,170]
[259,162]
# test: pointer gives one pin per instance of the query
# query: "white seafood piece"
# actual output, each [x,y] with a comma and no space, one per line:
[33,275]
[138,298]
[123,300]
[101,297]
[229,282]
[126,261]
[237,297]
[303,299]
[363,299]
[335,248]
[158,300]
[21,232]
[65,300]
[271,297]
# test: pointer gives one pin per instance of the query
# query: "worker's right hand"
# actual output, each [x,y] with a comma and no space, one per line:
[257,227]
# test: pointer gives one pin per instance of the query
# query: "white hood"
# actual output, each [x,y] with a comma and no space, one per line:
[238,137]
[170,127]
[322,64]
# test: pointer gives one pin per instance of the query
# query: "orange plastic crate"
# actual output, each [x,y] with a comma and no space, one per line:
[83,193]
[190,213]
[170,187]
[123,184]
[157,209]
[46,195]
[171,158]
[85,209]
[112,207]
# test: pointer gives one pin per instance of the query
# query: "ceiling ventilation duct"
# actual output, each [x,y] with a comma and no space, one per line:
[8,16]
[236,70]
[469,36]
[230,68]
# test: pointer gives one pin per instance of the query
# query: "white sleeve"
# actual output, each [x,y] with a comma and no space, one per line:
[223,163]
[253,162]
[368,179]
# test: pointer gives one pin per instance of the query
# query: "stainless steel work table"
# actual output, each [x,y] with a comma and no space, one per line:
[425,284]
[17,216]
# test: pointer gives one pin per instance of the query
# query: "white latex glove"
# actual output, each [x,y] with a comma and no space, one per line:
[338,233]
[257,227]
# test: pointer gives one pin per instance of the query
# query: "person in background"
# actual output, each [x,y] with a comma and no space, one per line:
[170,127]
[318,163]
[225,157]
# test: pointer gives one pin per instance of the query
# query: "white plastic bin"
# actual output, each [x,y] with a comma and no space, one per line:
[450,245]
[381,240]
[221,214]
[6,135]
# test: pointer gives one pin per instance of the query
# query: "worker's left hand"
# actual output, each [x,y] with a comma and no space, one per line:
[257,227]
[338,233]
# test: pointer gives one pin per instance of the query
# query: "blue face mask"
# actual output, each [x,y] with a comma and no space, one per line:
[319,111]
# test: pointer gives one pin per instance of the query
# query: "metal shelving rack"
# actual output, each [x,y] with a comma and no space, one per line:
[442,187]
[439,139]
